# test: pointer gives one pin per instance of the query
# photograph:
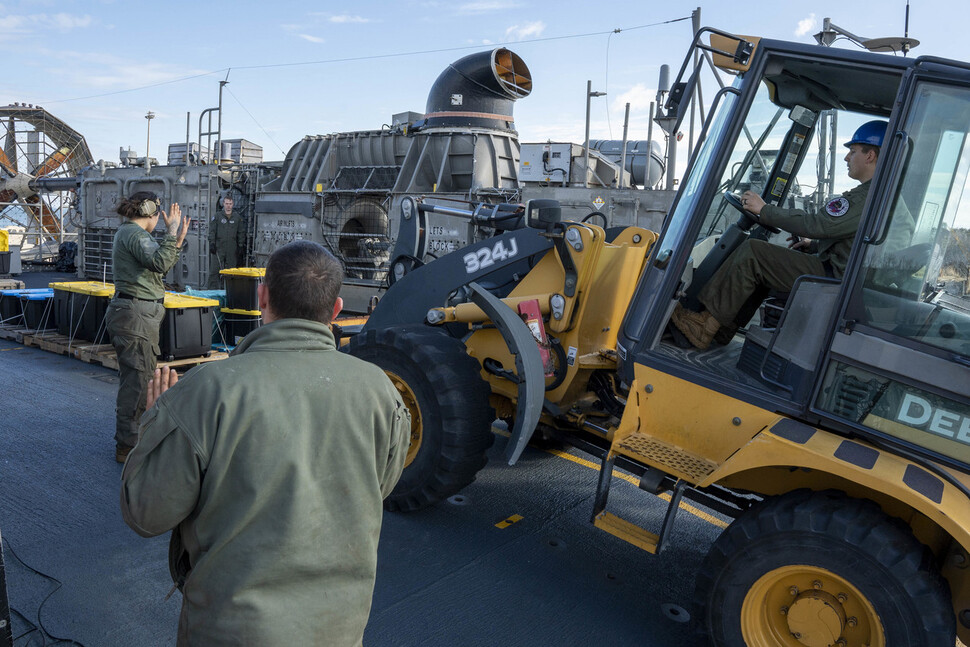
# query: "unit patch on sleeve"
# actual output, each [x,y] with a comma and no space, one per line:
[837,207]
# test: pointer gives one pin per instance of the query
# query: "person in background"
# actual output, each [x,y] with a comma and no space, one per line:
[270,468]
[135,314]
[227,241]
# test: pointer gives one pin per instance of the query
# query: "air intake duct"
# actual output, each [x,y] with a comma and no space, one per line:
[477,91]
[644,160]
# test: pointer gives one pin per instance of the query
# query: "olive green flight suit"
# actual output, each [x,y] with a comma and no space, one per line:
[271,467]
[758,264]
[227,240]
[138,265]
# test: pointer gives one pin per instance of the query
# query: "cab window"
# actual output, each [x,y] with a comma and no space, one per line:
[914,280]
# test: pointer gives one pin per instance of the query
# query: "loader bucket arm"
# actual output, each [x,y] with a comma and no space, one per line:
[528,368]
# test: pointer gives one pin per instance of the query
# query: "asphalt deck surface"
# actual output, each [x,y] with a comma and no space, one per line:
[447,575]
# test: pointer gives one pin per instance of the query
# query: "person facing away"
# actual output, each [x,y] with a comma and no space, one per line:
[756,265]
[227,240]
[269,468]
[134,316]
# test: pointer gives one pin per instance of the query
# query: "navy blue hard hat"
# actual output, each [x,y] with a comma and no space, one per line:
[871,133]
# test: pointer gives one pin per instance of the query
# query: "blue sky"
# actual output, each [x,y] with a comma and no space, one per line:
[100,65]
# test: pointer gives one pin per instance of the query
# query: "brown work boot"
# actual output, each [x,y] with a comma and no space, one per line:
[121,452]
[698,327]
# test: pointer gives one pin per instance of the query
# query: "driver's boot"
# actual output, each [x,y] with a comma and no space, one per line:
[725,335]
[698,327]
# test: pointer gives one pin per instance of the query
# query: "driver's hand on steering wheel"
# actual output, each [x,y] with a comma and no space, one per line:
[799,243]
[752,202]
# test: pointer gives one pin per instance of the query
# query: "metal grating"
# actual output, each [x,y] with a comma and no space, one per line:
[97,244]
[657,452]
[356,178]
[356,230]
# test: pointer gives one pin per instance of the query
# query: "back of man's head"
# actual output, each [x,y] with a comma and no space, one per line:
[303,281]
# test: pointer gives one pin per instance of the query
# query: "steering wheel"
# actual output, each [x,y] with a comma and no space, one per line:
[734,200]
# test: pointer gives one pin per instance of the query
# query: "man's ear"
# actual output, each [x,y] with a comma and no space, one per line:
[338,305]
[262,296]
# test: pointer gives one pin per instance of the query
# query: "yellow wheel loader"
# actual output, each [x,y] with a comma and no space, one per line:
[833,426]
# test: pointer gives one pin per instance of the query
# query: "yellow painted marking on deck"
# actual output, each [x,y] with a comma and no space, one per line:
[686,507]
[508,522]
[15,348]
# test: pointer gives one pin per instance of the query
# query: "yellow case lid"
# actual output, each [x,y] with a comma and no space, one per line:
[245,271]
[91,288]
[233,311]
[175,300]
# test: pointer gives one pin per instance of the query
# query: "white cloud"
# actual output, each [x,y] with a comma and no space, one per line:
[806,25]
[13,25]
[66,22]
[528,30]
[312,39]
[485,6]
[639,98]
[131,75]
[347,19]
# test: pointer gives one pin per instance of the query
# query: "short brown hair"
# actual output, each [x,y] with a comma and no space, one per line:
[303,280]
[130,207]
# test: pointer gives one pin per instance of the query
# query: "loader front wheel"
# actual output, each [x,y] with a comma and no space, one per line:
[451,419]
[819,568]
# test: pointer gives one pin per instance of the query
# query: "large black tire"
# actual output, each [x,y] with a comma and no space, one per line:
[448,399]
[818,563]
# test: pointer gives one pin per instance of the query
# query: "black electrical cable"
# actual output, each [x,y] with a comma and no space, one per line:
[597,213]
[565,174]
[510,216]
[44,634]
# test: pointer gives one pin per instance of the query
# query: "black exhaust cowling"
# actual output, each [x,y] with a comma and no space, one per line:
[478,91]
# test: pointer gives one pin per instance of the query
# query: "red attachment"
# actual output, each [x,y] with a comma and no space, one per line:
[533,319]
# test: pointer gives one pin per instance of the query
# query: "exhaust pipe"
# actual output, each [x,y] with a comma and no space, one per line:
[477,91]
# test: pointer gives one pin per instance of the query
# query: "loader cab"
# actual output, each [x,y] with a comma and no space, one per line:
[883,350]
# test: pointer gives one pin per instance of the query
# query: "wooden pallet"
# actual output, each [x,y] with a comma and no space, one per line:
[103,354]
[13,333]
[17,333]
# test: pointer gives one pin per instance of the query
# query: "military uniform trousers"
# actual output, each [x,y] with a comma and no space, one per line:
[754,266]
[134,328]
[225,244]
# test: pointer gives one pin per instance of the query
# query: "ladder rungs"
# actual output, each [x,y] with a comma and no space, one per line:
[627,531]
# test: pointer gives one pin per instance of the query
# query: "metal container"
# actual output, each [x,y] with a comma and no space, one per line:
[197,153]
[644,160]
[243,151]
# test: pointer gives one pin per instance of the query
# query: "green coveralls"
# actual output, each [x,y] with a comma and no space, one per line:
[138,264]
[271,467]
[758,264]
[228,236]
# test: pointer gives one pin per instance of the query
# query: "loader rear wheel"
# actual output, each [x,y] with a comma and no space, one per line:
[451,420]
[816,568]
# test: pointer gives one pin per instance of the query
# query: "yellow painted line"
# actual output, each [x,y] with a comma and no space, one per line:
[686,507]
[508,522]
[14,348]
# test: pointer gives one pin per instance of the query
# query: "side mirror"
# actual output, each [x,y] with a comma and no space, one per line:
[543,214]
